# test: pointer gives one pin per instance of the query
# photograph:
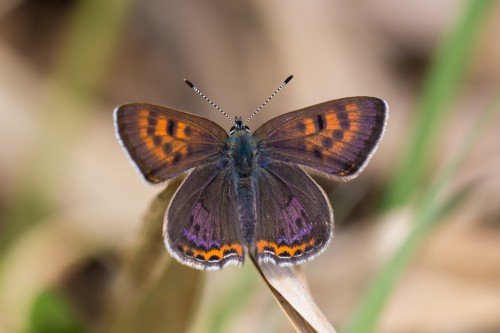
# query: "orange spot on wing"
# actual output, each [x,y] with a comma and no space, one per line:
[310,127]
[339,148]
[348,170]
[161,127]
[142,124]
[179,133]
[315,142]
[154,179]
[351,107]
[354,118]
[348,136]
[143,133]
[332,122]
[144,113]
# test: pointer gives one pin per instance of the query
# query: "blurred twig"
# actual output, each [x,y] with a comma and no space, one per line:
[152,292]
[291,293]
[439,88]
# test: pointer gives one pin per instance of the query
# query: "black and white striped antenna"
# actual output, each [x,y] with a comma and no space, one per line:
[192,86]
[288,79]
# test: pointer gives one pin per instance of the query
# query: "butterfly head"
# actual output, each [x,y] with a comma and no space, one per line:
[238,126]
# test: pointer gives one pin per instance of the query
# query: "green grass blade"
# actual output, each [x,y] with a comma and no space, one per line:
[428,213]
[232,301]
[440,86]
[52,312]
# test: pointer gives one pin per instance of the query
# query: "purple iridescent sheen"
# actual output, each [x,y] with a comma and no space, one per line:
[201,242]
[201,218]
[291,214]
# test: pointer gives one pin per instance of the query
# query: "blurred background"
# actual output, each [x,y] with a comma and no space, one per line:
[417,243]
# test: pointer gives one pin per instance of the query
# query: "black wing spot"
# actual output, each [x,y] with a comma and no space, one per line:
[317,153]
[152,122]
[327,143]
[177,158]
[343,119]
[157,140]
[284,254]
[269,249]
[228,252]
[171,127]
[345,125]
[342,116]
[320,123]
[338,135]
[167,148]
[301,127]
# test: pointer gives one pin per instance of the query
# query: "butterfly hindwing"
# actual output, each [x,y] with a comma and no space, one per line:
[294,219]
[201,227]
[163,142]
[336,137]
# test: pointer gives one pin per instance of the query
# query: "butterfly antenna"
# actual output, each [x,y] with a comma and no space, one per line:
[288,79]
[192,86]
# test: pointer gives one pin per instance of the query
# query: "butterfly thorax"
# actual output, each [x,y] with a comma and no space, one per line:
[242,151]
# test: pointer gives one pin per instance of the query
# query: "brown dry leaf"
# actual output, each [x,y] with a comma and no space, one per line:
[290,290]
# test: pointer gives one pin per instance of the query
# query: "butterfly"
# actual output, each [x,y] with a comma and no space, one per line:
[249,192]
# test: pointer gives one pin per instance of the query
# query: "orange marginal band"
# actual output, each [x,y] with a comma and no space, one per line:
[263,245]
[213,254]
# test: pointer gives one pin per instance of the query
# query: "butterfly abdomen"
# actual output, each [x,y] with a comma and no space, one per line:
[245,205]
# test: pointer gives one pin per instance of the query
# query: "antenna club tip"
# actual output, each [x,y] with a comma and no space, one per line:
[288,79]
[189,83]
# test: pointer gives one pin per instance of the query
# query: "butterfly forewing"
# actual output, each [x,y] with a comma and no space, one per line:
[336,137]
[163,142]
[294,217]
[201,227]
